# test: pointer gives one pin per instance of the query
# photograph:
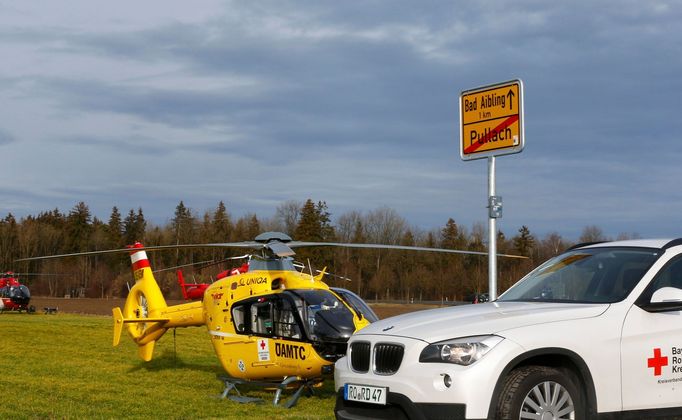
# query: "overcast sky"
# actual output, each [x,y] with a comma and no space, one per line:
[144,104]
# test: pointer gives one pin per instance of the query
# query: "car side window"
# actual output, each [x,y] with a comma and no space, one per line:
[669,276]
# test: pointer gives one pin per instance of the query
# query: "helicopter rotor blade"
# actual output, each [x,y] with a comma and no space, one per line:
[250,245]
[277,244]
[208,263]
[222,260]
[297,244]
[36,274]
[181,266]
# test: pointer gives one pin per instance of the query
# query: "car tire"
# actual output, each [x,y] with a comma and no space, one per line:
[540,390]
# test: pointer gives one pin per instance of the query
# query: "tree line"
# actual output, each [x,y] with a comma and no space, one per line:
[372,273]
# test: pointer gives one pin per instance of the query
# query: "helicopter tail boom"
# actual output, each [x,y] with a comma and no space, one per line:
[145,315]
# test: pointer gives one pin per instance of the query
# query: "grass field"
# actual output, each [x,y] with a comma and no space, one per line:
[64,366]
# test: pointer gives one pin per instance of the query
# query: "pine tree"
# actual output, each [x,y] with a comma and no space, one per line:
[9,241]
[115,228]
[222,224]
[179,223]
[308,228]
[359,233]
[253,227]
[314,225]
[129,234]
[78,228]
[140,223]
[134,227]
[324,219]
[451,236]
[53,218]
[241,231]
[524,242]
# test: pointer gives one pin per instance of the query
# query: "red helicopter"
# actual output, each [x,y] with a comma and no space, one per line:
[14,296]
[195,291]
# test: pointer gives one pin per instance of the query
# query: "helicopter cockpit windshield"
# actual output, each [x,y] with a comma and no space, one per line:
[324,316]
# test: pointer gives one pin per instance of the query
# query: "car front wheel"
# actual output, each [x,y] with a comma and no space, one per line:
[540,392]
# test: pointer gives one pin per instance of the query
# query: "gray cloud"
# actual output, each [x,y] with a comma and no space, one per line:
[6,137]
[298,99]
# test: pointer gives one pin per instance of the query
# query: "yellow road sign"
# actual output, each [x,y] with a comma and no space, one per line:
[491,120]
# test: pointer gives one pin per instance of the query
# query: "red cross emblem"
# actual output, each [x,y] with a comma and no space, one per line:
[657,362]
[262,347]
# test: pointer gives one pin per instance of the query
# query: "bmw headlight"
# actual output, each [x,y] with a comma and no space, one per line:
[461,351]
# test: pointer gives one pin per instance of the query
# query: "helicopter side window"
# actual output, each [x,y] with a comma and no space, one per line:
[261,318]
[284,320]
[270,316]
[238,317]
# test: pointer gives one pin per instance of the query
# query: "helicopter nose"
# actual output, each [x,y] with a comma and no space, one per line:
[20,295]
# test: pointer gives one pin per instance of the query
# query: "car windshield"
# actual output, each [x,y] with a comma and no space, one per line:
[593,275]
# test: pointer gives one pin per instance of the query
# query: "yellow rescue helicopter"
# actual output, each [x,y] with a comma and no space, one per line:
[271,325]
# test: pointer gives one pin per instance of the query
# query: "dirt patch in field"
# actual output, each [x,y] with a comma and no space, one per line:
[104,306]
[81,305]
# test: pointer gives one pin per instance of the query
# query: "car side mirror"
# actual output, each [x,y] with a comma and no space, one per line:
[667,294]
[665,299]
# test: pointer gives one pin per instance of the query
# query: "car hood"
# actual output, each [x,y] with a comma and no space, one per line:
[488,318]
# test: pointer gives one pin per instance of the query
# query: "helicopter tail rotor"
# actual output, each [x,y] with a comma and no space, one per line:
[142,314]
[183,285]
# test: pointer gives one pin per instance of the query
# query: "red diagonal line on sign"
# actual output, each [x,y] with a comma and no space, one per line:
[504,124]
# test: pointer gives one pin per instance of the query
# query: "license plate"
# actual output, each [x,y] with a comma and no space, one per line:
[365,393]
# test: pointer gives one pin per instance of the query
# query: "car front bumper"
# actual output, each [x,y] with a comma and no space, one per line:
[419,390]
[398,407]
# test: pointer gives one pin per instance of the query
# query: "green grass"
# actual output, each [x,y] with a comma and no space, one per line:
[64,366]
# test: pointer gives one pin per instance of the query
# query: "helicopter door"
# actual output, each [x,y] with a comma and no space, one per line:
[261,318]
[270,316]
[284,320]
[274,324]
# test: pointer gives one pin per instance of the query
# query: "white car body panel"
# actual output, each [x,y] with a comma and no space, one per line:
[634,357]
[471,385]
[486,318]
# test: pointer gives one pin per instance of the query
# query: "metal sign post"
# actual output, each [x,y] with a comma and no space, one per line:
[492,124]
[492,232]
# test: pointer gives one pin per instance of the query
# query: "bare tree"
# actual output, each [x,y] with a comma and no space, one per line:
[385,226]
[288,214]
[592,233]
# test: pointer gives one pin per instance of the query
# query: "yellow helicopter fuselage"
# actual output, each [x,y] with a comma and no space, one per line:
[256,333]
[263,324]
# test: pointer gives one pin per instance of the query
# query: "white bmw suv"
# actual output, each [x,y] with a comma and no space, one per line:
[593,333]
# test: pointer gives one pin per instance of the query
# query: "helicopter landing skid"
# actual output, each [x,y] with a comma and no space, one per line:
[231,384]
